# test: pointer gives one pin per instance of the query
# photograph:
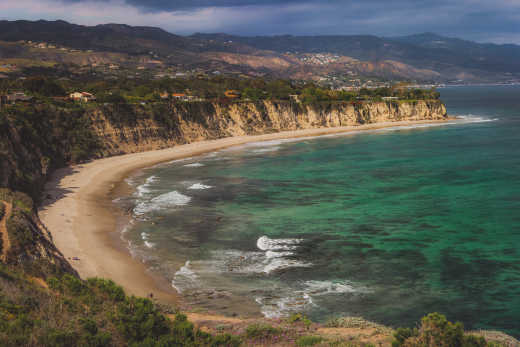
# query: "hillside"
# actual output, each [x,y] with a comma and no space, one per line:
[42,300]
[423,57]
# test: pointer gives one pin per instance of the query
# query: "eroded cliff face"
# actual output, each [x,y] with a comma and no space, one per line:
[186,123]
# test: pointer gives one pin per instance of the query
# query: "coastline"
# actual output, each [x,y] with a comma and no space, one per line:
[83,220]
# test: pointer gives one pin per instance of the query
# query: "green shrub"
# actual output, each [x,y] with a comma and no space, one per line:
[402,334]
[225,340]
[308,340]
[436,330]
[298,317]
[58,338]
[256,331]
[108,287]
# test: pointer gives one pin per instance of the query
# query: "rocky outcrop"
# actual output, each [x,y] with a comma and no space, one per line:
[190,122]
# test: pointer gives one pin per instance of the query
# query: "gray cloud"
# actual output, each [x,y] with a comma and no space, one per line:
[479,20]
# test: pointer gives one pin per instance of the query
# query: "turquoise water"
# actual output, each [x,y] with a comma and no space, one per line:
[389,225]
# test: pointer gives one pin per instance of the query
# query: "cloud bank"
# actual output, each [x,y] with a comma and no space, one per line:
[484,21]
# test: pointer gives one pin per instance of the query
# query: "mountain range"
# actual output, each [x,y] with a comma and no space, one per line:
[426,57]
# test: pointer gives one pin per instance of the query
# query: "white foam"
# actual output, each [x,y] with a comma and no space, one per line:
[328,287]
[185,278]
[267,244]
[275,307]
[266,150]
[471,118]
[149,244]
[161,202]
[280,263]
[194,165]
[144,189]
[199,186]
[272,254]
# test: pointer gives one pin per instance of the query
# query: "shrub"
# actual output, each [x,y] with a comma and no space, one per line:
[437,331]
[298,317]
[256,331]
[108,287]
[308,340]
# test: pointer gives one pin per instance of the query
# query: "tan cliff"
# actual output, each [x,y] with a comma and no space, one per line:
[190,122]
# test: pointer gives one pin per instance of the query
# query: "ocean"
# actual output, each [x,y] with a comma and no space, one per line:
[388,224]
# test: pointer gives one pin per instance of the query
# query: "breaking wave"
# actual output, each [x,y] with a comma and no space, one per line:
[264,243]
[185,278]
[194,165]
[161,202]
[471,118]
[144,189]
[199,186]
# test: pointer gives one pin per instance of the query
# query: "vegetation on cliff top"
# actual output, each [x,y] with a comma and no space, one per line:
[145,90]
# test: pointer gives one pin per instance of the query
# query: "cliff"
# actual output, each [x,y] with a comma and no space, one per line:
[190,122]
[39,138]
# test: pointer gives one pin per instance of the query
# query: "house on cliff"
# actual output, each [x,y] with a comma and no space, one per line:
[82,96]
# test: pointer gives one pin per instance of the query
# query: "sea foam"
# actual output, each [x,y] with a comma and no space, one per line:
[161,202]
[199,186]
[185,278]
[265,243]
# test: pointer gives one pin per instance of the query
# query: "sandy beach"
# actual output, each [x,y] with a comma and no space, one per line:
[80,215]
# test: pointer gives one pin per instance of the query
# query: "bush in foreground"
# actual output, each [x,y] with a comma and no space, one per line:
[437,331]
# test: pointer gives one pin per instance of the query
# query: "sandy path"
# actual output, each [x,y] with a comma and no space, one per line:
[82,219]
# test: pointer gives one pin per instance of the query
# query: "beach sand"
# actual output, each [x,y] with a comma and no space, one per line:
[82,219]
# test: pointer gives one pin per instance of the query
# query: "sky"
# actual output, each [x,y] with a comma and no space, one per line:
[495,21]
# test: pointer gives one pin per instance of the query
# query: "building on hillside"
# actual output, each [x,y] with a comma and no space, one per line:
[82,96]
[232,94]
[390,98]
[294,97]
[181,96]
[18,96]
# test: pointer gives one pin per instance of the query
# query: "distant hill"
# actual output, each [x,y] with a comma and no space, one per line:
[424,57]
[427,51]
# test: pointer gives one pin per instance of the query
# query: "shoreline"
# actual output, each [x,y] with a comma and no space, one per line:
[84,222]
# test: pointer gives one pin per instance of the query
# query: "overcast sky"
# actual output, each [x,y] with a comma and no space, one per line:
[480,20]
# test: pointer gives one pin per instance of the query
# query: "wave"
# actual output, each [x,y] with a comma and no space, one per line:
[194,165]
[328,287]
[161,202]
[265,243]
[236,262]
[149,244]
[266,150]
[185,278]
[471,118]
[280,302]
[273,306]
[199,186]
[144,189]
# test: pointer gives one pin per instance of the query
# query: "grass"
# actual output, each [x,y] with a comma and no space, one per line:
[308,340]
[262,331]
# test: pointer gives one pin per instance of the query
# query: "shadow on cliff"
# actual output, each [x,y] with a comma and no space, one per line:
[52,191]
